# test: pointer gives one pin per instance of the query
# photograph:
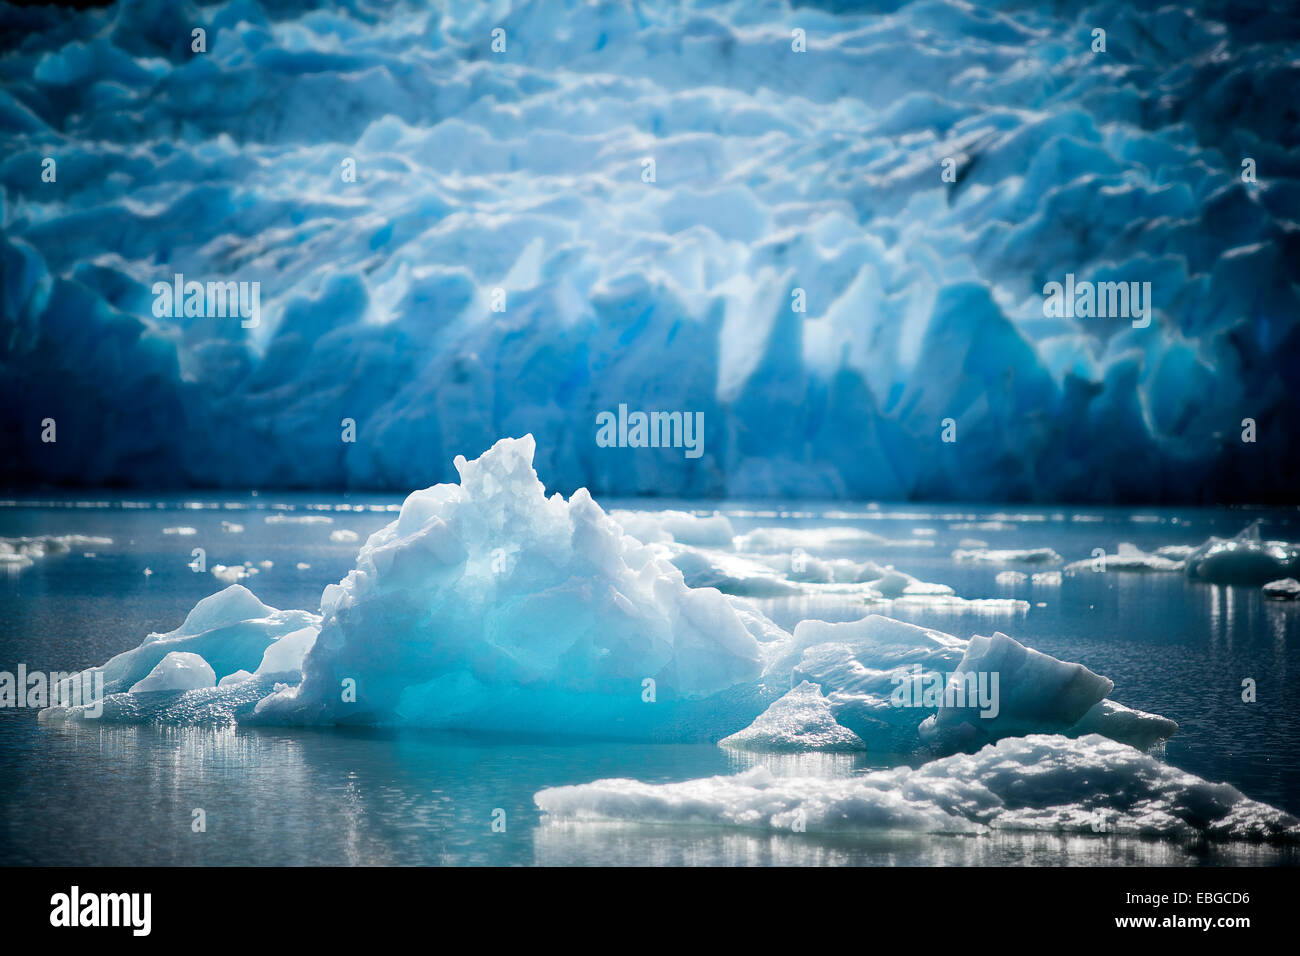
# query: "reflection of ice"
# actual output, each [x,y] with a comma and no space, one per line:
[631,844]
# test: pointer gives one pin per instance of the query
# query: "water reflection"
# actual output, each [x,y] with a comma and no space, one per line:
[126,795]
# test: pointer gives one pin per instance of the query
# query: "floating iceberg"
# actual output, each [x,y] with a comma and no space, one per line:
[19,553]
[1007,556]
[487,605]
[228,631]
[892,684]
[1287,589]
[1245,559]
[1039,783]
[1127,557]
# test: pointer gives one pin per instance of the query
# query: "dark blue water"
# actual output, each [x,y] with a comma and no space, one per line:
[127,795]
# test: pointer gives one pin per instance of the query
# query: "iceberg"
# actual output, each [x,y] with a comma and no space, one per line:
[227,631]
[1041,783]
[488,606]
[889,682]
[1287,589]
[1244,559]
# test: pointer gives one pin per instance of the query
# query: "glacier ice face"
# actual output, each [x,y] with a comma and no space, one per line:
[1038,783]
[798,722]
[776,172]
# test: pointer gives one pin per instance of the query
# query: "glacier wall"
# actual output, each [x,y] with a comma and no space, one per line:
[454,243]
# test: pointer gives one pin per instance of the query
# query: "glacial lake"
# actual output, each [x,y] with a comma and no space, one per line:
[94,794]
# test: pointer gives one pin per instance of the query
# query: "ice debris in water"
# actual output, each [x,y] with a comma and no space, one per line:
[1287,589]
[1127,557]
[19,553]
[230,631]
[1007,556]
[798,722]
[889,682]
[1244,559]
[680,527]
[1039,783]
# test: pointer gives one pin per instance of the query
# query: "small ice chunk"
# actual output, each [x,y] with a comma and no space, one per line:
[1011,578]
[1287,589]
[344,535]
[238,677]
[178,671]
[1007,556]
[1136,728]
[798,722]
[232,574]
[1127,557]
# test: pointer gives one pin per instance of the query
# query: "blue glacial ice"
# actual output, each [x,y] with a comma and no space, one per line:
[776,171]
[489,606]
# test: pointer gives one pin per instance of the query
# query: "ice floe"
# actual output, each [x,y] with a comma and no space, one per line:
[1287,589]
[1044,783]
[1007,556]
